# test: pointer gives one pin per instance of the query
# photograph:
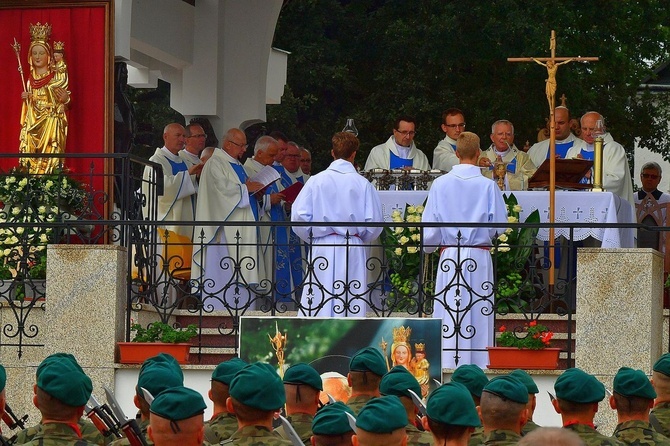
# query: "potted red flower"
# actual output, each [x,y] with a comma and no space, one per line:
[528,348]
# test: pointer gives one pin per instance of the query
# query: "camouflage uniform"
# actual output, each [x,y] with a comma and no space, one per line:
[501,437]
[220,427]
[529,427]
[417,437]
[143,428]
[592,437]
[477,437]
[356,403]
[56,434]
[256,436]
[639,433]
[88,432]
[661,412]
[302,424]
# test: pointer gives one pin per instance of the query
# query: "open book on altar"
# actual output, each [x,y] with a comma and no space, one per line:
[266,176]
[569,172]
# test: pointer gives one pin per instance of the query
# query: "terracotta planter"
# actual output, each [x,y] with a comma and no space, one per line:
[138,352]
[521,358]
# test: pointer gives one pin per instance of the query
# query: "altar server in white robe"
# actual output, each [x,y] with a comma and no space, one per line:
[338,254]
[179,183]
[565,140]
[225,195]
[465,196]
[399,152]
[616,173]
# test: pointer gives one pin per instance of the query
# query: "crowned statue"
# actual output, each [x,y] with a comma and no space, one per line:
[45,101]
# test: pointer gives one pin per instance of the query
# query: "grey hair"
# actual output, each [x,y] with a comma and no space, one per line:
[501,121]
[595,113]
[263,143]
[652,165]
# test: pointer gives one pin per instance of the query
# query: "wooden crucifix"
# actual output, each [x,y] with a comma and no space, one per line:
[551,64]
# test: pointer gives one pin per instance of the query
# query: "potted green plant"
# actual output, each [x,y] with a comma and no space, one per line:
[157,337]
[528,348]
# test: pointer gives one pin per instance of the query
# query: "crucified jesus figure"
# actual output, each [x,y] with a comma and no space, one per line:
[552,68]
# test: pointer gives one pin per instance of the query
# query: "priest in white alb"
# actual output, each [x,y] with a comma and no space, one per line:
[338,254]
[399,151]
[225,256]
[464,284]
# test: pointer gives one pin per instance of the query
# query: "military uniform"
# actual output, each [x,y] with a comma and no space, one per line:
[661,412]
[592,437]
[256,436]
[357,402]
[529,427]
[501,437]
[415,437]
[220,427]
[302,424]
[143,428]
[56,434]
[639,433]
[88,432]
[477,437]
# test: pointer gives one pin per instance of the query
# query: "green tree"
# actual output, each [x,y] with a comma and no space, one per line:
[373,60]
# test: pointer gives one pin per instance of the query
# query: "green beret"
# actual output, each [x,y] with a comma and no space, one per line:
[178,403]
[257,385]
[65,381]
[526,380]
[509,388]
[663,365]
[166,359]
[577,386]
[452,404]
[472,377]
[57,357]
[398,381]
[157,377]
[629,382]
[382,415]
[225,371]
[302,373]
[332,419]
[3,378]
[368,359]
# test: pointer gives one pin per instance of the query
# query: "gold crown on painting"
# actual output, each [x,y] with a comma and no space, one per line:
[420,347]
[59,46]
[40,32]
[401,334]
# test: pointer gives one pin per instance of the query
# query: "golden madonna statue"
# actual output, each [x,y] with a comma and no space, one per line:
[45,100]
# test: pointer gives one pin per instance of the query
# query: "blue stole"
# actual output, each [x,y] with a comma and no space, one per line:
[562,149]
[587,156]
[177,166]
[398,163]
[242,175]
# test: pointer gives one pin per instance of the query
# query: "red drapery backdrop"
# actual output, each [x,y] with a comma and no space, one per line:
[83,27]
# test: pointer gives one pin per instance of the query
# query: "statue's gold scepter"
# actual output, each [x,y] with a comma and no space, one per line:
[383,346]
[278,344]
[17,49]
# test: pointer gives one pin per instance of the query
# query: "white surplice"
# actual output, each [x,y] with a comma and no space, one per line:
[338,194]
[222,197]
[464,195]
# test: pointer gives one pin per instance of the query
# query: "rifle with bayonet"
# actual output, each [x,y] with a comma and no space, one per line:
[12,422]
[129,427]
[102,417]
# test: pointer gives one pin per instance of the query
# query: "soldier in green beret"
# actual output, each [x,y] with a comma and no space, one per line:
[302,385]
[660,379]
[577,398]
[61,392]
[451,415]
[256,394]
[527,381]
[474,379]
[155,376]
[177,418]
[632,399]
[381,422]
[88,430]
[222,424]
[398,382]
[331,427]
[503,410]
[366,369]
